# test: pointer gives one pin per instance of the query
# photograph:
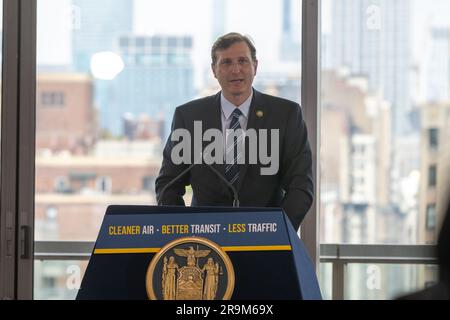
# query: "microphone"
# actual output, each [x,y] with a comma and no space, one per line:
[229,185]
[216,172]
[171,182]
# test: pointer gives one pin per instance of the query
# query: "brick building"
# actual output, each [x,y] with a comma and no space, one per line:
[65,115]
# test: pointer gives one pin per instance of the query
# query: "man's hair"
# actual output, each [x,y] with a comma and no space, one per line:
[226,41]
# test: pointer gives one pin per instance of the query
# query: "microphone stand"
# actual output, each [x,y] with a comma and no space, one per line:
[185,171]
[229,185]
[171,182]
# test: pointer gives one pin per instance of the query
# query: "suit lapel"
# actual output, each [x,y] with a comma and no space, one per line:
[257,116]
[213,120]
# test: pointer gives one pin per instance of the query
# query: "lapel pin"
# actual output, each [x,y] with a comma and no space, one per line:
[259,114]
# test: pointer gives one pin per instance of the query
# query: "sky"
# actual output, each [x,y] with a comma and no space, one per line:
[261,19]
[168,16]
[54,32]
[426,14]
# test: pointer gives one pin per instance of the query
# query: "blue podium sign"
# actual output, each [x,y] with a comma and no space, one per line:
[178,253]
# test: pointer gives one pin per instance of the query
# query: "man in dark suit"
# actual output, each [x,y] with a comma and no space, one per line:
[239,106]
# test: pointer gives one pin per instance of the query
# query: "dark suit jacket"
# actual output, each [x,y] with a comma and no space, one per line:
[291,188]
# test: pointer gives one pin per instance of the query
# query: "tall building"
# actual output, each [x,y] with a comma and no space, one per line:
[158,77]
[372,39]
[434,175]
[435,169]
[284,83]
[219,18]
[290,45]
[355,180]
[100,24]
[358,152]
[437,80]
[97,28]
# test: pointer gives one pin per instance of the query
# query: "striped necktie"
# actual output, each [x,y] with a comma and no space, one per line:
[232,151]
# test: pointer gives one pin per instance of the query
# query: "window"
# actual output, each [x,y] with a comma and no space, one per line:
[172,42]
[365,91]
[51,213]
[433,137]
[124,42]
[49,282]
[118,108]
[104,184]
[431,217]
[432,176]
[148,184]
[52,99]
[140,42]
[62,185]
[119,116]
[377,113]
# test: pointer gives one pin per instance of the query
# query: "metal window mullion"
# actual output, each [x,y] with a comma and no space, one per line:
[338,280]
[9,149]
[26,152]
[311,110]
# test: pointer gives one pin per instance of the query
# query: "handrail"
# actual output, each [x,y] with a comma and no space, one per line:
[339,255]
[347,253]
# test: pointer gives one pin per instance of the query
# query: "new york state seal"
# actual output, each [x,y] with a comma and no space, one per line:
[190,268]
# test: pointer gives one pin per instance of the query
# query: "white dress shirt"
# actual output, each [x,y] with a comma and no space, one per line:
[227,109]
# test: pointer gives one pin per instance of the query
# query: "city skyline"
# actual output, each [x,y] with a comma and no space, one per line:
[274,83]
[59,27]
[74,190]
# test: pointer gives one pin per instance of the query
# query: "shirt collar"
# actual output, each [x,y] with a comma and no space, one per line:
[228,107]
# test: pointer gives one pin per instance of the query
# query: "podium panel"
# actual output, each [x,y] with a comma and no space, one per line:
[188,253]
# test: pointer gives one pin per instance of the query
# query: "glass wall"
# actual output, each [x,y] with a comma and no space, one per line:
[380,281]
[385,114]
[110,75]
[385,101]
[111,72]
[58,280]
[326,280]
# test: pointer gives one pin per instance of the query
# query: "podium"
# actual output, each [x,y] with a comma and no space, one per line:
[205,253]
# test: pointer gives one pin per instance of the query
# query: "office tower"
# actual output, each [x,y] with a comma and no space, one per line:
[372,39]
[97,28]
[355,159]
[219,18]
[99,25]
[158,77]
[285,83]
[290,45]
[437,79]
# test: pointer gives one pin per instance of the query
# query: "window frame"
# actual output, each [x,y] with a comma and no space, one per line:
[18,149]
[18,129]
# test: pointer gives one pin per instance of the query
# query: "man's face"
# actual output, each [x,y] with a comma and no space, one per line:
[235,70]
